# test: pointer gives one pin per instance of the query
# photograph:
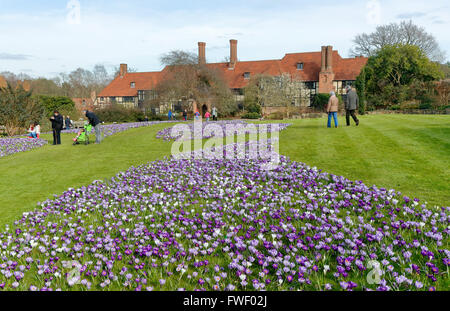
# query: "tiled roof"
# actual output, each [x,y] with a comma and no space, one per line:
[344,69]
[121,86]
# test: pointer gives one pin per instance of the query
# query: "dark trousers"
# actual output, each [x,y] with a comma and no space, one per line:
[351,113]
[56,137]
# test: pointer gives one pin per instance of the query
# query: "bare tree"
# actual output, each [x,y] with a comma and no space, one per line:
[186,79]
[404,33]
[178,57]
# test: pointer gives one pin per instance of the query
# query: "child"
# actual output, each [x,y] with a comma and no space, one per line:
[207,116]
[34,131]
[82,136]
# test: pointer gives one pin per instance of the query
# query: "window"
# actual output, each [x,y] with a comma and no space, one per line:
[247,75]
[141,95]
[84,102]
[299,66]
[132,85]
[102,99]
[339,86]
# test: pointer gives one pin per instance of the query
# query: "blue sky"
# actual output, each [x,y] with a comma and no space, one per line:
[44,38]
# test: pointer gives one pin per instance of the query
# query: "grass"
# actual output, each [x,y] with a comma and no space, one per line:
[31,177]
[408,153]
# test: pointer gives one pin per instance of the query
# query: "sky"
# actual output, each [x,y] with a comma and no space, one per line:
[47,37]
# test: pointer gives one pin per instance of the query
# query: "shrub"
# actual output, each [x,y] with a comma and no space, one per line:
[320,101]
[252,107]
[395,107]
[251,115]
[18,109]
[360,85]
[276,116]
[51,103]
[120,114]
[425,106]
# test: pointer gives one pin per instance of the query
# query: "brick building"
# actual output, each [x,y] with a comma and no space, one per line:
[317,72]
[82,104]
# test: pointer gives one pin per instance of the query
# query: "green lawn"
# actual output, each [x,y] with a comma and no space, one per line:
[408,153]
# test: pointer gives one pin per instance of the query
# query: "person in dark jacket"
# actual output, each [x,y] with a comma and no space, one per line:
[68,123]
[351,104]
[57,125]
[95,122]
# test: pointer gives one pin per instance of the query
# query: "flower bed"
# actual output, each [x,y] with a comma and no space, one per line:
[17,144]
[227,225]
[111,129]
[166,134]
[14,145]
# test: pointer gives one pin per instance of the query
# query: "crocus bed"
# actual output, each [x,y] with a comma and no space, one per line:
[227,225]
[9,146]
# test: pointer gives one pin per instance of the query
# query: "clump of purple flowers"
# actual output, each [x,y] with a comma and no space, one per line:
[227,225]
[111,129]
[166,134]
[9,146]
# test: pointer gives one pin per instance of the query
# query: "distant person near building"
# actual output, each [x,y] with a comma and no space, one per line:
[170,115]
[57,125]
[351,104]
[185,115]
[68,123]
[332,109]
[95,122]
[214,113]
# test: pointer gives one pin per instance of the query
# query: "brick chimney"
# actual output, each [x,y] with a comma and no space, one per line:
[326,75]
[233,53]
[329,58]
[324,58]
[123,70]
[201,53]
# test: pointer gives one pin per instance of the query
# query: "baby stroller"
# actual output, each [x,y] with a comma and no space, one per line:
[83,135]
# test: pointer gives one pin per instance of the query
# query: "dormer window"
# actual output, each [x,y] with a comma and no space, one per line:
[299,66]
[132,85]
[247,75]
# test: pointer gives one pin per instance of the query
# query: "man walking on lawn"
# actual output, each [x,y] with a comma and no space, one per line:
[351,104]
[95,122]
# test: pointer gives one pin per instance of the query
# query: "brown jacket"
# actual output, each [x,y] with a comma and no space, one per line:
[333,104]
